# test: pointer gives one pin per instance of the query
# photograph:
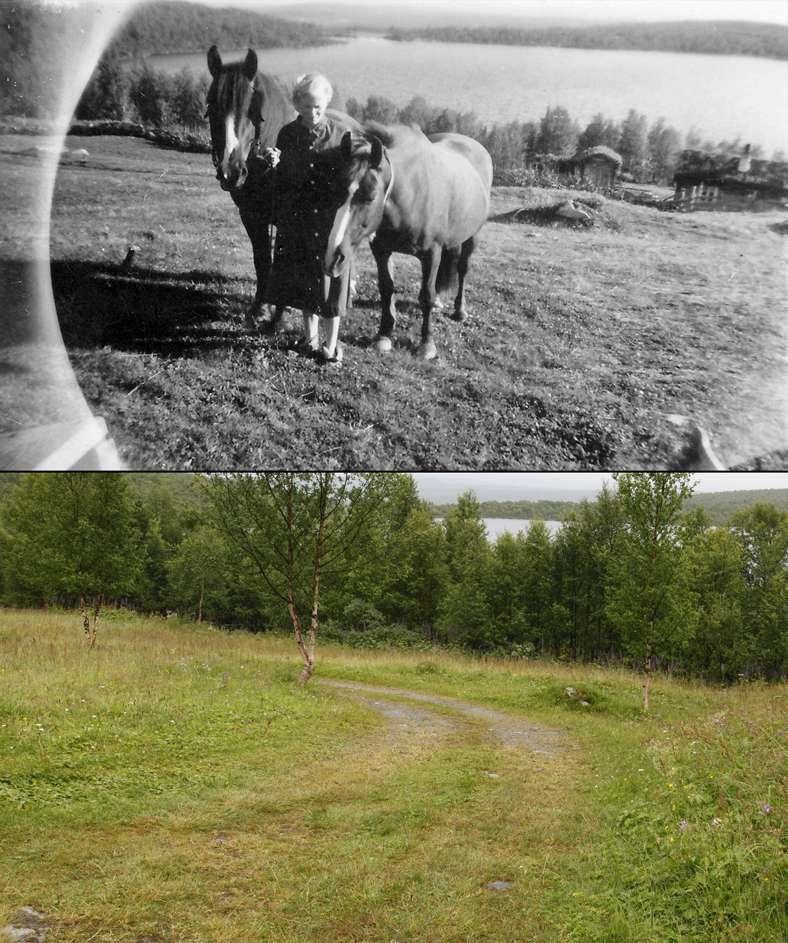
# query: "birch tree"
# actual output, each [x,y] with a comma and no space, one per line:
[297,529]
[650,599]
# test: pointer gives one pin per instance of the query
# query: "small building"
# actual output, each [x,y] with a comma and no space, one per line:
[723,182]
[597,167]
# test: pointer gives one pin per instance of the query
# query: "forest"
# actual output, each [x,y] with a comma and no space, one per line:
[634,576]
[716,37]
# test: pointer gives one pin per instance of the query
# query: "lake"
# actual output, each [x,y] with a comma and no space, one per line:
[499,525]
[720,96]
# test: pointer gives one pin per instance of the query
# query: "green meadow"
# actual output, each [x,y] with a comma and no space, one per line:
[175,784]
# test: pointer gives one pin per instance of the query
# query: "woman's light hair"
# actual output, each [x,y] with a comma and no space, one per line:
[315,84]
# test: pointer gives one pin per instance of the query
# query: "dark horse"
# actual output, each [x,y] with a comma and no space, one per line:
[246,110]
[418,195]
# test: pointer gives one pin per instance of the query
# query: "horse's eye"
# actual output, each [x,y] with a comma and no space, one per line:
[366,190]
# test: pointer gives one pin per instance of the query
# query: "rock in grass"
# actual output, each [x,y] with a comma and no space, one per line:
[574,212]
[11,934]
[28,917]
[19,935]
[499,885]
[27,926]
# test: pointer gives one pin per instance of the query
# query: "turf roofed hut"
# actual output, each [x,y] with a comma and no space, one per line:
[596,167]
[721,182]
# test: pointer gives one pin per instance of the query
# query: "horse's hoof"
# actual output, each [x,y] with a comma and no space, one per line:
[459,314]
[335,358]
[427,351]
[383,345]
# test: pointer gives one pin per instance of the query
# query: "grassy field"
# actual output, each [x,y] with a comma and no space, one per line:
[580,343]
[174,784]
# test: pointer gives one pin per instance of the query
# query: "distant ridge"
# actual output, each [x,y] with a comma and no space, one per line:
[719,505]
[713,37]
[174,26]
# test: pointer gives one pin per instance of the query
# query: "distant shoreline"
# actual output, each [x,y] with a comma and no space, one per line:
[719,505]
[713,37]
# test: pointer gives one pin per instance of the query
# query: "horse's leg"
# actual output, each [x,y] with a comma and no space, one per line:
[388,318]
[256,225]
[311,341]
[332,349]
[460,311]
[430,261]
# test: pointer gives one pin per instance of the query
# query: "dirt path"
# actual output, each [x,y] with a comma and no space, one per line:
[511,731]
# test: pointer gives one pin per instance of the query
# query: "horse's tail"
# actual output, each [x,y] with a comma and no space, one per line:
[447,277]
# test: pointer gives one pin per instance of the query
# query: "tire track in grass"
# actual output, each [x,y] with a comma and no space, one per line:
[511,731]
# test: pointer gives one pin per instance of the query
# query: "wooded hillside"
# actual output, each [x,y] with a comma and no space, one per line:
[721,37]
[719,506]
[175,26]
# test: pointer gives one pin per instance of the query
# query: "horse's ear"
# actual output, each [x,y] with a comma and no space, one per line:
[377,152]
[214,61]
[249,67]
[346,145]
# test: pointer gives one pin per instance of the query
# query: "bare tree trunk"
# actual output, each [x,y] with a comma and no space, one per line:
[85,618]
[314,615]
[199,602]
[647,682]
[307,651]
[88,627]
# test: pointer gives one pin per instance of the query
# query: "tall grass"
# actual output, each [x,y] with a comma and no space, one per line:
[175,783]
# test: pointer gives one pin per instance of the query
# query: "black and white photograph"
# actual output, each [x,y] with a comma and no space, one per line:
[422,235]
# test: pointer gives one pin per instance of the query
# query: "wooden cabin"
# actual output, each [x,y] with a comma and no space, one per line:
[596,167]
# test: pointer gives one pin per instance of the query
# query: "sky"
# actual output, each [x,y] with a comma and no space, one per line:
[770,11]
[445,486]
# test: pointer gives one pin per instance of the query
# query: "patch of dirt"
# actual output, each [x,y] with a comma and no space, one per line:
[576,214]
[409,720]
[509,730]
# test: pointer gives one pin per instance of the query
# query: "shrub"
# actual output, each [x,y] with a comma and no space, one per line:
[361,616]
[188,99]
[383,636]
[151,94]
[105,95]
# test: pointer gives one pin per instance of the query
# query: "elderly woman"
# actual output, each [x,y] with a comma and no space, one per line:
[304,215]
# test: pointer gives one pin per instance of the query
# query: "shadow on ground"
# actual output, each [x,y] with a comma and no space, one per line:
[145,310]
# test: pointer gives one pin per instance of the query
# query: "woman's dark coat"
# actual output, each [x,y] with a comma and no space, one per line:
[304,214]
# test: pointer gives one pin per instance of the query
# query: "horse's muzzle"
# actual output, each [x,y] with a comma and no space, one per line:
[232,181]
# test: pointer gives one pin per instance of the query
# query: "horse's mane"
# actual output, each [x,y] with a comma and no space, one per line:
[396,133]
[276,106]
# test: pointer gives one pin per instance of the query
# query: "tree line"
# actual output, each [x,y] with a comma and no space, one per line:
[718,506]
[632,576]
[523,153]
[714,37]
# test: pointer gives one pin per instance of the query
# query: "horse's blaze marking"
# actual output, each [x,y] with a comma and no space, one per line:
[338,230]
[230,139]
